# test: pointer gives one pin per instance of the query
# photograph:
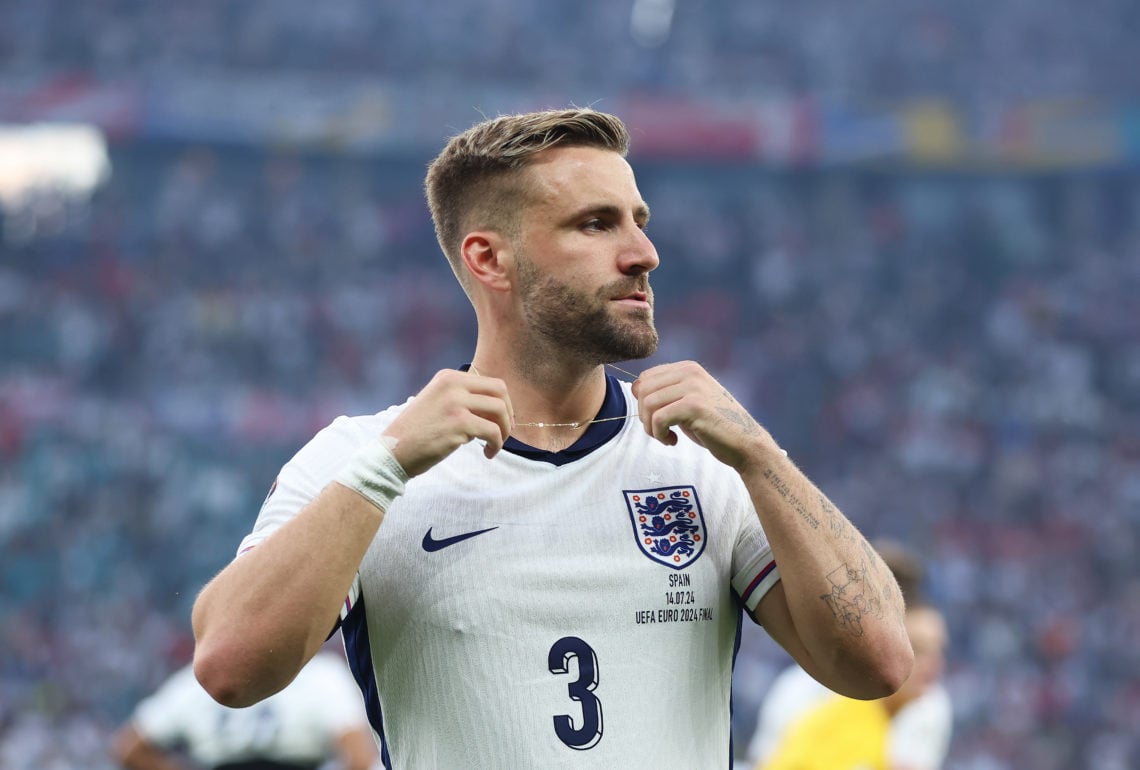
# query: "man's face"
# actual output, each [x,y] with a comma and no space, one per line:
[583,259]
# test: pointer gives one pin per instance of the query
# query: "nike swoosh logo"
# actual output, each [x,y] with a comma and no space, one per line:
[431,545]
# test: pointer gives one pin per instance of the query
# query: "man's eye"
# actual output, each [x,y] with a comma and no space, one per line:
[595,224]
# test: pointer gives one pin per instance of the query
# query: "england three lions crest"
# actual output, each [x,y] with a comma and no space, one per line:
[668,524]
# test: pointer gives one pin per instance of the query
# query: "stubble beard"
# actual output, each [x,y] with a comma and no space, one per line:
[585,326]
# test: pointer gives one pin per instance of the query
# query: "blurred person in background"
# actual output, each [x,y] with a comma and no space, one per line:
[531,577]
[842,733]
[920,714]
[318,721]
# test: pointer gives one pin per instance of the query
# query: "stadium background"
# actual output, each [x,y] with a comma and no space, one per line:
[906,234]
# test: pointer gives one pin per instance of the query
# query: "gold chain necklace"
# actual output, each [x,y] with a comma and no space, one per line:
[578,424]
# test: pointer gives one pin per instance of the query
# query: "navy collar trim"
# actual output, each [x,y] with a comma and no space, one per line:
[595,436]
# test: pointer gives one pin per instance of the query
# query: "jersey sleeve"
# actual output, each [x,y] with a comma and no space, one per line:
[161,717]
[304,476]
[754,569]
[307,473]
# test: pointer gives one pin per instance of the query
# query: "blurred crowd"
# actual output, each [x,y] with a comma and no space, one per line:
[885,50]
[953,357]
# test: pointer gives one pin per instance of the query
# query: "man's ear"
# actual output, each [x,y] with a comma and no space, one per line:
[487,259]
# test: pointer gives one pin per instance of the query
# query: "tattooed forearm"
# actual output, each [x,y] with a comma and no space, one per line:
[892,596]
[840,527]
[739,419]
[852,597]
[873,557]
[797,505]
[862,587]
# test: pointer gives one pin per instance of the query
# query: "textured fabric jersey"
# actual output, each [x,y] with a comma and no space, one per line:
[297,727]
[919,734]
[839,734]
[578,609]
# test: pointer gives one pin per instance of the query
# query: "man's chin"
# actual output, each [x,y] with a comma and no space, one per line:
[639,346]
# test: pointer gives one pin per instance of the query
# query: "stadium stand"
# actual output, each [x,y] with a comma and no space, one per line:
[952,352]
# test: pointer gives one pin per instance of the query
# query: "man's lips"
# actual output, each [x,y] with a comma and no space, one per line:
[638,298]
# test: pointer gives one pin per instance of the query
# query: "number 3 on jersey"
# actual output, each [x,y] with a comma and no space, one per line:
[581,690]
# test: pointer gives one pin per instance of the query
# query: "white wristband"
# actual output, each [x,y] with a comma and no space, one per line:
[375,474]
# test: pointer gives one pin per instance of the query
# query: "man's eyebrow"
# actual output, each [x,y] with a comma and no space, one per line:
[640,212]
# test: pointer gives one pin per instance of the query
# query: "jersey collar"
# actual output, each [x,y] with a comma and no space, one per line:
[595,436]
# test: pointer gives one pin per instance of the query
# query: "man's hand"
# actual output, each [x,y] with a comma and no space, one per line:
[685,396]
[452,409]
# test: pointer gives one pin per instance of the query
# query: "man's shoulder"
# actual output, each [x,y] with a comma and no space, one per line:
[368,421]
[355,429]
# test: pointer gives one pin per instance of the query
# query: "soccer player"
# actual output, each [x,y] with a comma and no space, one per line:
[318,718]
[840,733]
[534,563]
[920,727]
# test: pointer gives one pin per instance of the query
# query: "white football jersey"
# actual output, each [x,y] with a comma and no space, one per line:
[538,610]
[298,726]
[920,731]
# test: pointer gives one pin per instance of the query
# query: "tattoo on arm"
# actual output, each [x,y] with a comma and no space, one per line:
[892,597]
[851,597]
[873,557]
[797,505]
[840,527]
[856,591]
[888,584]
[740,419]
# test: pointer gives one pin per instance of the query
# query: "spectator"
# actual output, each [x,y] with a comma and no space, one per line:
[921,717]
[840,733]
[318,718]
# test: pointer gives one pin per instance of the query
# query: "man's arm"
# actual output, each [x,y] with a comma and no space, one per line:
[265,615]
[837,609]
[134,752]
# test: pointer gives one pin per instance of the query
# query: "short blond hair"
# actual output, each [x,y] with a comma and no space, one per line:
[476,182]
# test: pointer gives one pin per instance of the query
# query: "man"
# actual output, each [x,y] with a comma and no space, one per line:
[920,729]
[543,565]
[318,718]
[840,733]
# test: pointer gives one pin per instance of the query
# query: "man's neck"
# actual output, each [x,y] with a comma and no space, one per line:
[553,403]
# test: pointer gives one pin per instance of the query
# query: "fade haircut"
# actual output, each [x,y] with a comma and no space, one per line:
[476,181]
